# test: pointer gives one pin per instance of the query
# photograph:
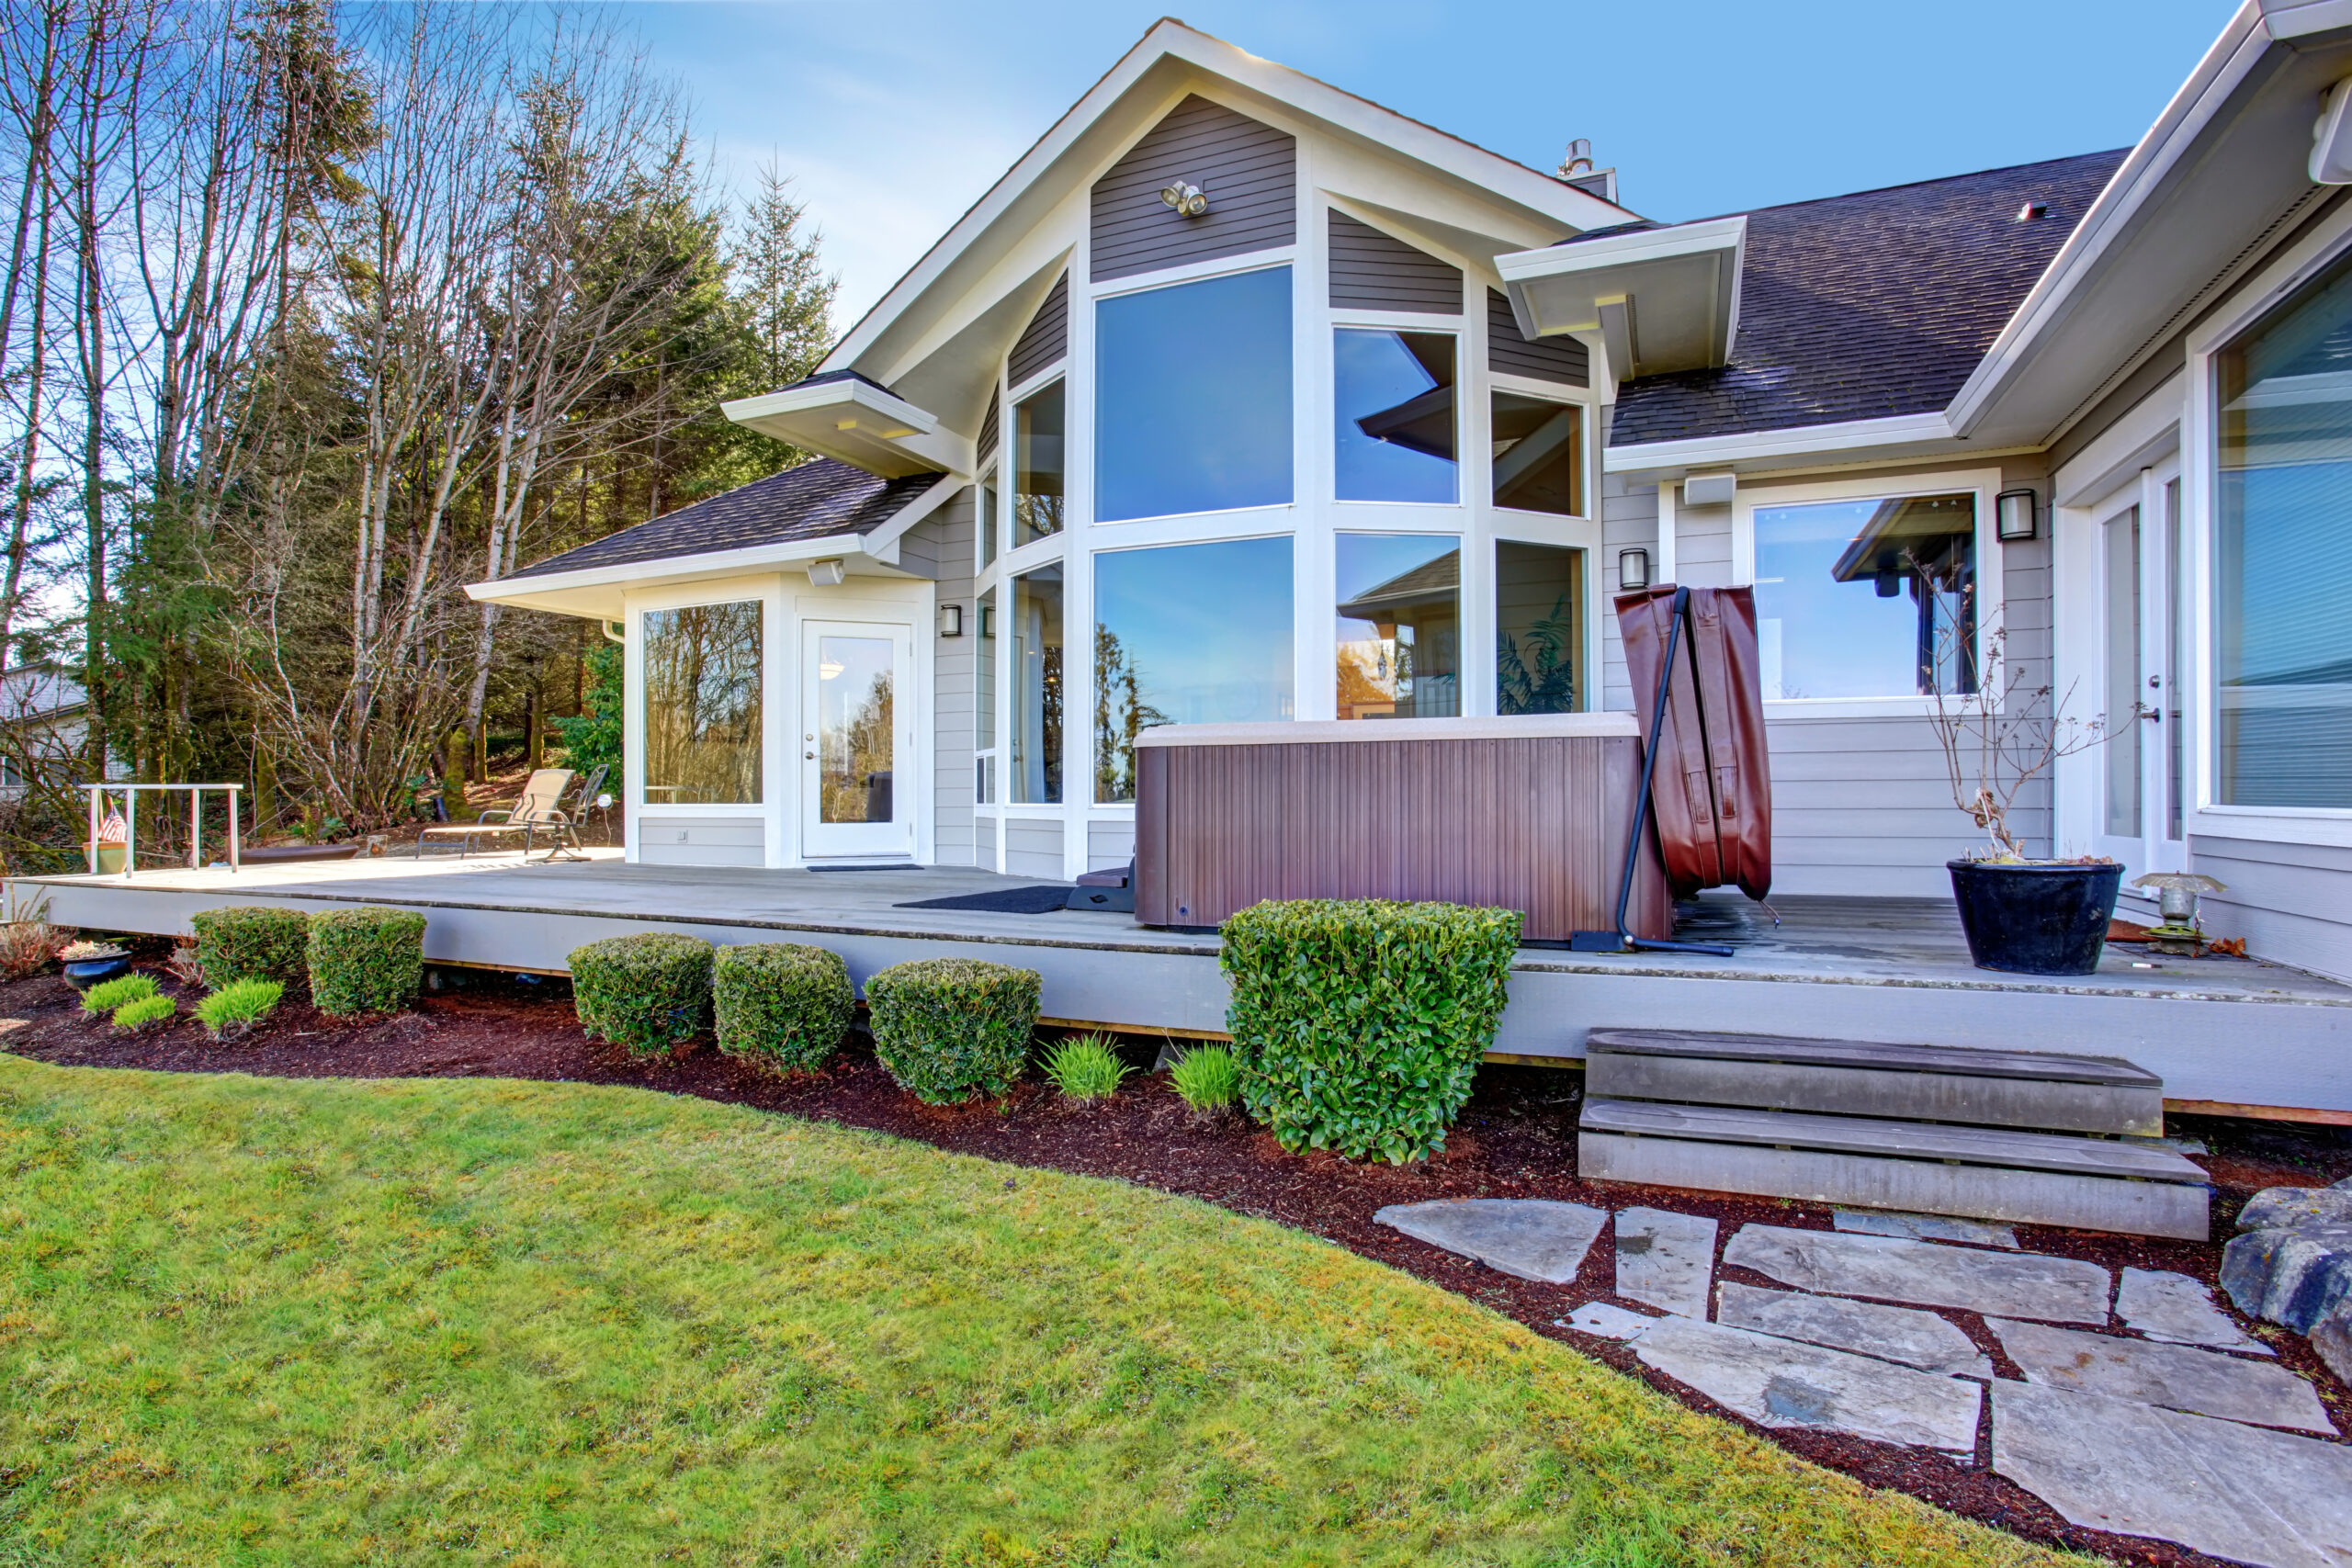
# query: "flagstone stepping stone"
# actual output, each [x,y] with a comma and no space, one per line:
[2179,1311]
[1891,1334]
[2269,1498]
[1783,1384]
[1665,1260]
[1888,1268]
[1924,1227]
[2179,1377]
[1607,1320]
[1533,1238]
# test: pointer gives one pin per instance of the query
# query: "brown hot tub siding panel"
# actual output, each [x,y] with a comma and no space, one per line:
[1536,824]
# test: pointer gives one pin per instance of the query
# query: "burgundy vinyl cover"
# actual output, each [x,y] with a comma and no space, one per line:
[1710,796]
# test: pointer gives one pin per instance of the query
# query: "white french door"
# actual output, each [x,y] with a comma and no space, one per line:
[2140,768]
[858,739]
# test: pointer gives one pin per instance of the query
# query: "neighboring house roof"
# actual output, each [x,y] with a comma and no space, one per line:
[810,500]
[1873,305]
[35,692]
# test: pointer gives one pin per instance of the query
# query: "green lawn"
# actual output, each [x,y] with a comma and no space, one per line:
[255,1321]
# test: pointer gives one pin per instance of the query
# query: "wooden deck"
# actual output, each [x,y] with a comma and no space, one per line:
[2221,1032]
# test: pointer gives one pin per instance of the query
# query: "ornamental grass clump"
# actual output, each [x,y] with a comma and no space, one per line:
[252,941]
[1085,1068]
[644,993]
[132,1017]
[1358,1024]
[109,995]
[949,1028]
[781,1004]
[234,1008]
[365,960]
[1208,1080]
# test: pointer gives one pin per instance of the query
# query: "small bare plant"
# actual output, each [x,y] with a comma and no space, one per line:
[2001,735]
[183,963]
[27,943]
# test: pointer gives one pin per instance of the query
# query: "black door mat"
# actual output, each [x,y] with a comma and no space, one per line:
[1043,898]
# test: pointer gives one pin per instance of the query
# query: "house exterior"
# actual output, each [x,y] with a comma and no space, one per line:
[1239,399]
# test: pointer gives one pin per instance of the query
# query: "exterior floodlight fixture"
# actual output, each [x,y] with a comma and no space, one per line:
[1186,198]
[826,573]
[2014,516]
[1632,570]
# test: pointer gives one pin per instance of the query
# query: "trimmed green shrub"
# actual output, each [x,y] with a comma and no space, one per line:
[950,1028]
[252,941]
[1358,1024]
[370,959]
[235,1007]
[1085,1068]
[1208,1079]
[109,995]
[144,1012]
[644,993]
[782,1004]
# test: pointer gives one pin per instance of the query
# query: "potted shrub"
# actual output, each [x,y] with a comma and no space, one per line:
[2022,914]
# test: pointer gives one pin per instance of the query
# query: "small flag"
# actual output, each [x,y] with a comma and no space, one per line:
[114,829]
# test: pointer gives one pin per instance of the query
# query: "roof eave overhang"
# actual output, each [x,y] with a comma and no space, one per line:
[858,425]
[1849,443]
[1661,299]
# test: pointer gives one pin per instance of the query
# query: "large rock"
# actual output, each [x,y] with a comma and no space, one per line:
[1920,1273]
[1534,1239]
[1779,1382]
[2297,1208]
[2268,1498]
[1665,1260]
[2332,1340]
[2295,1276]
[2179,1377]
[2179,1310]
[1916,1338]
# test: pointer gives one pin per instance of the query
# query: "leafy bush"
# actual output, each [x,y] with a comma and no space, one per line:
[644,993]
[949,1028]
[782,1004]
[236,1007]
[1085,1068]
[252,941]
[370,959]
[1208,1079]
[144,1012]
[1358,1024]
[109,995]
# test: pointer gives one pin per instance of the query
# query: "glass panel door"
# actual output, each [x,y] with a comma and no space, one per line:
[858,739]
[2139,766]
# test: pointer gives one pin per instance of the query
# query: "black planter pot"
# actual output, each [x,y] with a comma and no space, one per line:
[2035,920]
[85,973]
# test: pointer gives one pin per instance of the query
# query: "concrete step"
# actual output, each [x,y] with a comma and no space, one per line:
[2051,1091]
[1984,1173]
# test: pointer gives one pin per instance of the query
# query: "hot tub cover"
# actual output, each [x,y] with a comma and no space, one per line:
[1711,797]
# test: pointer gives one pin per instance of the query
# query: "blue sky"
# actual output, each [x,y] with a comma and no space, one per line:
[894,118]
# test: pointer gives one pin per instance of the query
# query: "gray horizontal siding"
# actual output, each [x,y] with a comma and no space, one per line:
[1248,170]
[1047,338]
[2292,903]
[1109,844]
[948,536]
[701,840]
[1561,359]
[1372,271]
[1033,848]
[989,423]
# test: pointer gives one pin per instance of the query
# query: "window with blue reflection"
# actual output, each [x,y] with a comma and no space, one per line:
[1393,398]
[1867,598]
[1192,634]
[1192,397]
[1400,625]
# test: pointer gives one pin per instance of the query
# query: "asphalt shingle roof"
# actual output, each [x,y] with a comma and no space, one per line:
[810,500]
[1872,305]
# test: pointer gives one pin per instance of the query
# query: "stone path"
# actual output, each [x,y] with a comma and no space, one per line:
[2173,1424]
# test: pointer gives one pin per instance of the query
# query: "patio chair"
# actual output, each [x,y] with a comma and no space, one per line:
[535,811]
[588,796]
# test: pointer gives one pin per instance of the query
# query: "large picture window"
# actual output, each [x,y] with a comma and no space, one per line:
[1539,630]
[1538,455]
[1191,634]
[2283,554]
[1868,598]
[1037,423]
[1037,766]
[1192,397]
[702,705]
[1393,398]
[1399,627]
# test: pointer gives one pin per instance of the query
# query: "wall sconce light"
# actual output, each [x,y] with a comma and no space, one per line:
[1186,198]
[2014,515]
[826,573]
[951,620]
[988,621]
[1632,570]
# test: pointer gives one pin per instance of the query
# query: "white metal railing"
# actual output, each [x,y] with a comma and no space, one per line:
[131,821]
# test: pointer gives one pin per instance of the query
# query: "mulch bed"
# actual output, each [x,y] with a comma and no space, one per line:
[1515,1139]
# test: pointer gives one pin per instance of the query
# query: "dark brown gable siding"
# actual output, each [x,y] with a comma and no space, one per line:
[987,427]
[1047,337]
[1371,271]
[1248,171]
[1561,359]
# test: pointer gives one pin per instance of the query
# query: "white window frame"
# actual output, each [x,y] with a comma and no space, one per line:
[779,782]
[1991,598]
[1355,319]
